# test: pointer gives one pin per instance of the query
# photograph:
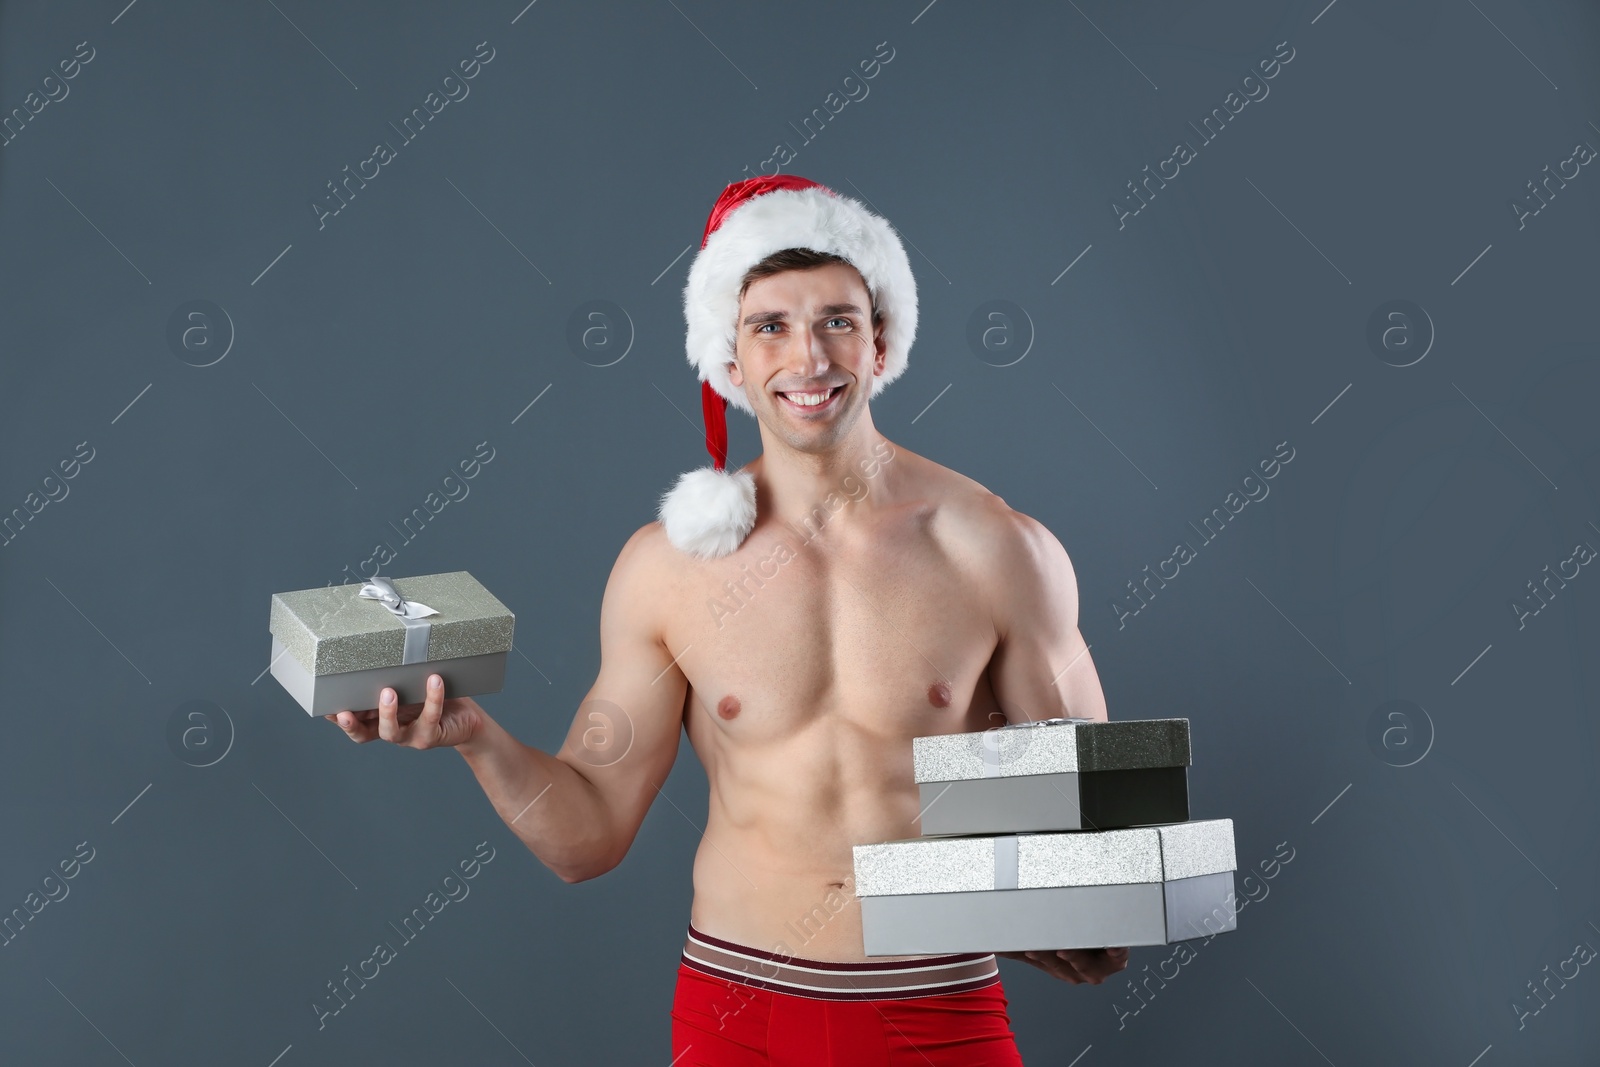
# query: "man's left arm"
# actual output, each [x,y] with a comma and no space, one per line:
[1041,666]
[1041,669]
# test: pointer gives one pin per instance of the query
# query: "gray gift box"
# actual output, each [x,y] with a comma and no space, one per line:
[335,647]
[1055,774]
[1022,892]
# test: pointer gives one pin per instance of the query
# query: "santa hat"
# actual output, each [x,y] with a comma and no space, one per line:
[709,511]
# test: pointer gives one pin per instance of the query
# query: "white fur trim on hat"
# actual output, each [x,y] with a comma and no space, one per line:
[708,512]
[794,218]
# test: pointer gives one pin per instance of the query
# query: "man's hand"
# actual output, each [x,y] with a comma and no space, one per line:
[435,723]
[1076,965]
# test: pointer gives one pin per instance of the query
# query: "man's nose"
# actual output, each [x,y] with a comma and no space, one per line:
[807,354]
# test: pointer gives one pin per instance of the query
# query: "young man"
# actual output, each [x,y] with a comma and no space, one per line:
[801,620]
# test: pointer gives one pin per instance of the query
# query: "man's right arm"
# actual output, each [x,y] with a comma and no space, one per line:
[579,810]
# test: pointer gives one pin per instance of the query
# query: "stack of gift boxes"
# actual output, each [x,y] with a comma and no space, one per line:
[1059,834]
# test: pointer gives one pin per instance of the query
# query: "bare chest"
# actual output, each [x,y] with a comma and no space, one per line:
[884,633]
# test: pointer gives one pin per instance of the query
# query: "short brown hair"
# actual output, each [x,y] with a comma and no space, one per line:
[802,259]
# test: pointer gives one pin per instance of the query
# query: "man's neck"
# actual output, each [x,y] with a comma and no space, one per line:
[793,483]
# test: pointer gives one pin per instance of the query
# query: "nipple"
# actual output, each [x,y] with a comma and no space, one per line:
[939,694]
[728,707]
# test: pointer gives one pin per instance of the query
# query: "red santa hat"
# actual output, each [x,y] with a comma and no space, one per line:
[709,511]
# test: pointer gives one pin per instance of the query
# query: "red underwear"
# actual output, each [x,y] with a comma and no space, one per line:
[736,1006]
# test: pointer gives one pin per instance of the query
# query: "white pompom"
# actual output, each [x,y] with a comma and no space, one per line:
[707,513]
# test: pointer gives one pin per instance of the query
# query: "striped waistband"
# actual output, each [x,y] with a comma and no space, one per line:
[819,979]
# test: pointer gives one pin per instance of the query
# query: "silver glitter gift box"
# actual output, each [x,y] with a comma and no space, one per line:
[1055,774]
[336,647]
[1023,892]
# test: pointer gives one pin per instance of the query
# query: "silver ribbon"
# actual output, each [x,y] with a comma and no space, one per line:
[410,612]
[1005,862]
[1045,722]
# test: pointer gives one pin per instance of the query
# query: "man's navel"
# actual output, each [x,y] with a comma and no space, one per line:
[728,707]
[939,694]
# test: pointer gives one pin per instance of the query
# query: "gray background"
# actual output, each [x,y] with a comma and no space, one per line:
[369,356]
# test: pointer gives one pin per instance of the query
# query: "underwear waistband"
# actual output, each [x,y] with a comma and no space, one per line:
[820,979]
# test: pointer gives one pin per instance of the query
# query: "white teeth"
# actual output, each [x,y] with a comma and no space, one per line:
[809,400]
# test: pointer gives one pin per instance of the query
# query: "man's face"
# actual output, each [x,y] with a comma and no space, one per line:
[805,335]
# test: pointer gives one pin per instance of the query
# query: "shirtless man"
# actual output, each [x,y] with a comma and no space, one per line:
[922,605]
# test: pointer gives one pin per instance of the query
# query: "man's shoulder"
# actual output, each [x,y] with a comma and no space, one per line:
[969,515]
[646,569]
[647,557]
[1017,564]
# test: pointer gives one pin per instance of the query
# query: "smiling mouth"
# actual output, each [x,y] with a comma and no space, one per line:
[810,401]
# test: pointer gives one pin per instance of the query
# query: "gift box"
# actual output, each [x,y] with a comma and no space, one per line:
[1044,891]
[1054,774]
[336,647]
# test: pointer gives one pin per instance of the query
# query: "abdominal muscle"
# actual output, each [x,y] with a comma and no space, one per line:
[774,868]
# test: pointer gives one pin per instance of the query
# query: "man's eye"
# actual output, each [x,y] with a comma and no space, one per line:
[844,321]
[764,325]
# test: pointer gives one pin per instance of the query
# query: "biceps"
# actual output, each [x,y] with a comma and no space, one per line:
[1044,667]
[1079,683]
[624,737]
[1039,675]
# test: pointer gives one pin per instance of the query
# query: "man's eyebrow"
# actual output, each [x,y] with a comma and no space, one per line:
[778,316]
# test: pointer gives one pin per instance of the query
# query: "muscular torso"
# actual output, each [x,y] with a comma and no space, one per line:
[806,687]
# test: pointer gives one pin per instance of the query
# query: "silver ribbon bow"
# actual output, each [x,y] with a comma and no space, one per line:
[1045,722]
[410,612]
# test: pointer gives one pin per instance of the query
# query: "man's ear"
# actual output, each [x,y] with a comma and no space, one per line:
[880,357]
[735,375]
